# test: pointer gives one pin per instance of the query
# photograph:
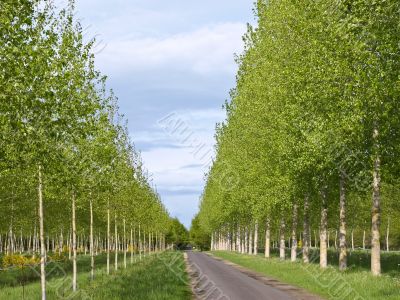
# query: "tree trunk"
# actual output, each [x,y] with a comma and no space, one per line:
[329,239]
[387,235]
[255,238]
[108,237]
[74,266]
[342,229]
[124,245]
[41,233]
[376,210]
[282,240]
[267,239]
[91,240]
[116,243]
[335,239]
[238,244]
[246,238]
[352,240]
[140,245]
[293,255]
[364,240]
[131,243]
[306,231]
[323,251]
[250,241]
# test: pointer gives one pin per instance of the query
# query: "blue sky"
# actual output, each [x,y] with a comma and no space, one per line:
[170,62]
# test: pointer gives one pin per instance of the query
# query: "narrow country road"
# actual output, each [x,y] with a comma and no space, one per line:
[217,280]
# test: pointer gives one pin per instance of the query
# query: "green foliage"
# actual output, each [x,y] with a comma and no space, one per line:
[314,82]
[177,234]
[198,237]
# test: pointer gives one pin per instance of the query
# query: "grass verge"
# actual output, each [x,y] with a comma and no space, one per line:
[160,276]
[329,283]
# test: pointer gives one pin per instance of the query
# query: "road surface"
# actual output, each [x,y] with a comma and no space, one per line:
[214,279]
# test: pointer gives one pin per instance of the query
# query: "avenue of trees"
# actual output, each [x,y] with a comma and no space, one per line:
[71,180]
[309,153]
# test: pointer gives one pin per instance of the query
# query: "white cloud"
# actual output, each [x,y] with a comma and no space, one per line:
[177,171]
[203,51]
[183,206]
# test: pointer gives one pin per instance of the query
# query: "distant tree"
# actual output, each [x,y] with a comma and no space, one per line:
[198,237]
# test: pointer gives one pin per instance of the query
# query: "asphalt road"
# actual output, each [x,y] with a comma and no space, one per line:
[214,279]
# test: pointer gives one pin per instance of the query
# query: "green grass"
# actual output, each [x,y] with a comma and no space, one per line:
[358,260]
[160,276]
[330,283]
[14,277]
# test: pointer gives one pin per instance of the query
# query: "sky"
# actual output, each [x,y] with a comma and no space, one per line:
[171,64]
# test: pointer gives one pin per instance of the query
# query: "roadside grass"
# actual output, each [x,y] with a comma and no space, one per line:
[54,269]
[357,260]
[158,276]
[355,283]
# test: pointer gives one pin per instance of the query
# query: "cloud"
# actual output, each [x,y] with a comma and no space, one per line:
[184,207]
[204,51]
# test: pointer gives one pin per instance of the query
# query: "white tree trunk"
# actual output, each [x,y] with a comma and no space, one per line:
[91,240]
[246,239]
[306,231]
[387,235]
[282,240]
[108,237]
[342,229]
[140,245]
[267,239]
[323,251]
[364,240]
[238,245]
[116,243]
[74,287]
[376,210]
[293,254]
[250,241]
[124,245]
[41,233]
[255,238]
[131,243]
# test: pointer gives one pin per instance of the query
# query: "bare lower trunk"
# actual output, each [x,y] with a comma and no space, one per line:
[342,229]
[364,240]
[376,211]
[335,239]
[293,255]
[41,233]
[238,244]
[387,235]
[306,231]
[323,251]
[267,239]
[329,239]
[131,243]
[246,238]
[116,243]
[74,273]
[255,238]
[282,241]
[140,245]
[108,237]
[91,241]
[250,241]
[124,245]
